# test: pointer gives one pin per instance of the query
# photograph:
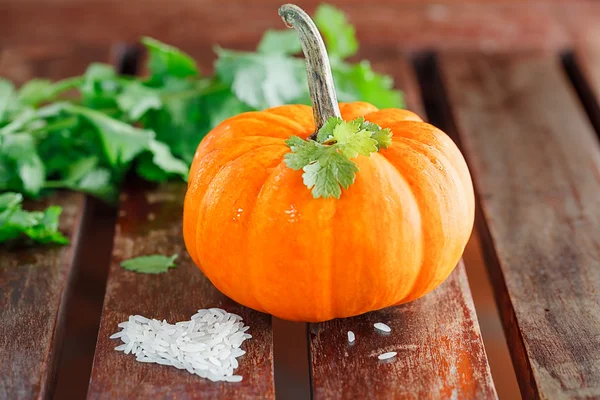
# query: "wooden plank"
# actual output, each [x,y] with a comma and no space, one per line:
[35,282]
[411,25]
[536,165]
[437,337]
[150,222]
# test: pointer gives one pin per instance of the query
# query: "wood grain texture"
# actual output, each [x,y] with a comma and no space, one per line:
[437,338]
[536,167]
[189,24]
[34,286]
[35,282]
[150,222]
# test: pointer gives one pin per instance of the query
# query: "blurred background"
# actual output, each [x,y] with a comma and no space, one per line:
[42,29]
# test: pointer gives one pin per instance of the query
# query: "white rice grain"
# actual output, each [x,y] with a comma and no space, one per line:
[385,356]
[207,345]
[351,336]
[382,327]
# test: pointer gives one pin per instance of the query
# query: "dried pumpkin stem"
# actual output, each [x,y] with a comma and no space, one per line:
[318,70]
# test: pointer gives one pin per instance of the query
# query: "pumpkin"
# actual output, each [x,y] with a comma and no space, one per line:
[262,239]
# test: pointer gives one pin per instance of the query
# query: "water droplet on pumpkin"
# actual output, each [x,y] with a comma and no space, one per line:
[291,213]
[238,214]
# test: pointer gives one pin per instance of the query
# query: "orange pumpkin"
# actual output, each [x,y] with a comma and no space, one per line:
[261,238]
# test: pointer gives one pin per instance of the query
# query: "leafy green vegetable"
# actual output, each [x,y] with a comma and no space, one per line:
[168,62]
[337,32]
[280,42]
[326,162]
[85,133]
[41,227]
[154,264]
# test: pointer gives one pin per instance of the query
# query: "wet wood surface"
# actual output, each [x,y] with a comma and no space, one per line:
[437,338]
[536,165]
[35,282]
[150,222]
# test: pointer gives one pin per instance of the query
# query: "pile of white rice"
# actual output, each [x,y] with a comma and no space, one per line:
[208,345]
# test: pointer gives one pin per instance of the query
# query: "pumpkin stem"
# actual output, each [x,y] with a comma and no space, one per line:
[318,70]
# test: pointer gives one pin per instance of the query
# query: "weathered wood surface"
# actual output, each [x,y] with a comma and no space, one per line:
[437,338]
[150,222]
[34,283]
[408,24]
[536,166]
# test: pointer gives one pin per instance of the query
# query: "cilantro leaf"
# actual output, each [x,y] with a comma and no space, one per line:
[35,91]
[7,91]
[46,228]
[331,170]
[382,136]
[337,31]
[326,162]
[360,82]
[263,80]
[122,142]
[167,61]
[352,140]
[136,99]
[303,152]
[154,264]
[326,131]
[18,154]
[280,42]
[163,159]
[41,227]
[99,87]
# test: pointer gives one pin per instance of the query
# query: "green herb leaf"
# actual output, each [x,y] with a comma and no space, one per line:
[35,91]
[154,264]
[18,154]
[337,31]
[167,61]
[41,227]
[262,80]
[326,162]
[163,159]
[352,140]
[136,99]
[326,131]
[360,82]
[7,91]
[122,142]
[383,137]
[280,42]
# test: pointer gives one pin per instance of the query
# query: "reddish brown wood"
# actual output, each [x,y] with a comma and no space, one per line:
[439,345]
[34,286]
[485,25]
[35,282]
[536,166]
[150,222]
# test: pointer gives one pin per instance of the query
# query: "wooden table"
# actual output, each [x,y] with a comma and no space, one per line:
[516,85]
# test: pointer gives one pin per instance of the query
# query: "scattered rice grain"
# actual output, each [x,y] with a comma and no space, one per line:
[385,356]
[382,327]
